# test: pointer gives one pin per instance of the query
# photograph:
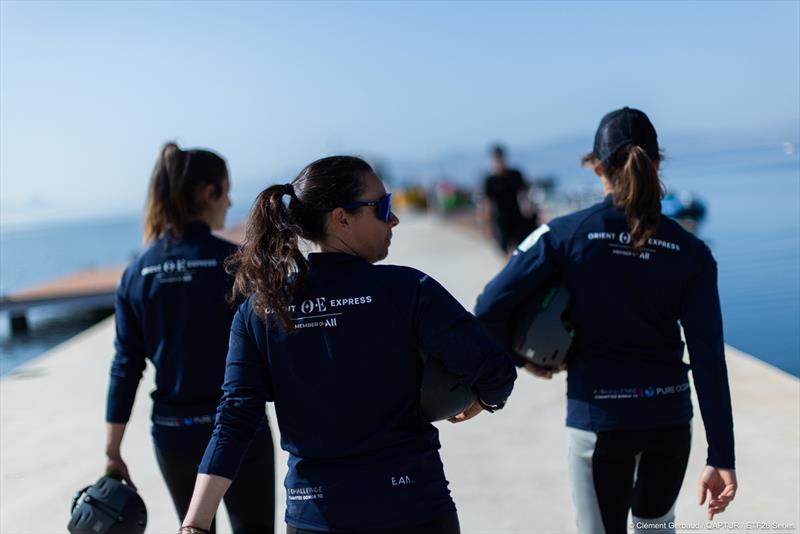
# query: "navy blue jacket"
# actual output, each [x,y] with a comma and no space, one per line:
[346,387]
[171,310]
[625,367]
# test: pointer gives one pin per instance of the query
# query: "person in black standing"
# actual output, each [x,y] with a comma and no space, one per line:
[171,309]
[502,188]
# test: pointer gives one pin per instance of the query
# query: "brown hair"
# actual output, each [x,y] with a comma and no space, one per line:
[176,177]
[636,188]
[269,265]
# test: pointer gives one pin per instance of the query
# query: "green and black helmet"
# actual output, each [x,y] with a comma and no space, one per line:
[542,333]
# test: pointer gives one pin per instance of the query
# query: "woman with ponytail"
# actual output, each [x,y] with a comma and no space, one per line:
[172,309]
[334,341]
[635,278]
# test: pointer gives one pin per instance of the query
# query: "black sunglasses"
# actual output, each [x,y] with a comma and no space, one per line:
[384,205]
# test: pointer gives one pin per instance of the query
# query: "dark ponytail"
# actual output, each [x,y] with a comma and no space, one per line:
[176,177]
[269,265]
[636,189]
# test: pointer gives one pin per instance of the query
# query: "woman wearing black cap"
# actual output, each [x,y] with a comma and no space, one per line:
[634,275]
[171,309]
[334,341]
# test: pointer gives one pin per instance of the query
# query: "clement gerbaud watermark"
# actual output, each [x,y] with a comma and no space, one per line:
[717,526]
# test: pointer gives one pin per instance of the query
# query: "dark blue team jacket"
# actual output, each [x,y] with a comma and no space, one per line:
[171,310]
[346,391]
[625,367]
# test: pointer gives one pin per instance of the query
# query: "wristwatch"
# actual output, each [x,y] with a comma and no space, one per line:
[491,408]
[193,530]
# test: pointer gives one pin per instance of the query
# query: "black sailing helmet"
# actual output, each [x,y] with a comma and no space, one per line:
[107,507]
[542,333]
[442,394]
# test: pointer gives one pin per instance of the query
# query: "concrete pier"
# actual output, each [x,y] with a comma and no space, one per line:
[508,471]
[89,289]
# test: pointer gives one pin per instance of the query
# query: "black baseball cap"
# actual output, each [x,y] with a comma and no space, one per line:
[626,126]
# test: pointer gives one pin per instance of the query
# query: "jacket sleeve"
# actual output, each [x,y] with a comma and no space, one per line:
[701,318]
[531,266]
[244,393]
[129,360]
[448,332]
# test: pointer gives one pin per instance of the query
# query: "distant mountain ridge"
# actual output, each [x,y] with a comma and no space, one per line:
[559,158]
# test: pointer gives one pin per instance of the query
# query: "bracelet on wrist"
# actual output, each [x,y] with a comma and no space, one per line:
[193,530]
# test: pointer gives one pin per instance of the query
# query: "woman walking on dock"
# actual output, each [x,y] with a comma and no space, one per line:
[171,309]
[633,275]
[334,341]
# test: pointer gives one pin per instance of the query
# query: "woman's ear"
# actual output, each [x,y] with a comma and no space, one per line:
[205,195]
[597,171]
[339,218]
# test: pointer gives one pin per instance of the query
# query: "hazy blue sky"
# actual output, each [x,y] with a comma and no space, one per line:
[89,90]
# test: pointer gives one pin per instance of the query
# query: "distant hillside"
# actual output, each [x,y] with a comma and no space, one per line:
[561,158]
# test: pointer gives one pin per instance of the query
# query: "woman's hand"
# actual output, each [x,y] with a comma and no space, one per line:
[467,414]
[541,372]
[114,463]
[718,486]
[116,466]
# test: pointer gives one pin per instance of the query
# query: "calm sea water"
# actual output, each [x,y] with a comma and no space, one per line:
[753,229]
[28,257]
[35,255]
